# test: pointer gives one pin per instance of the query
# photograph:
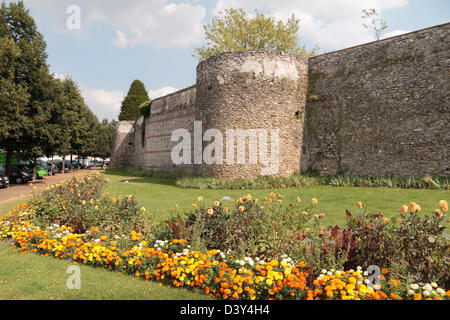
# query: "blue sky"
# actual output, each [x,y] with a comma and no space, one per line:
[153,40]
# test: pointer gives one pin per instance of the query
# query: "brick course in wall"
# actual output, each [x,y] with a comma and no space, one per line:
[376,109]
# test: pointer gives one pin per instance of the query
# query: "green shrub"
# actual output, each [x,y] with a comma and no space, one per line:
[81,204]
[413,243]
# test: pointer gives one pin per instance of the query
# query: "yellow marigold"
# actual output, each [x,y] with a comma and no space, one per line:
[194,205]
[200,199]
[314,201]
[241,209]
[360,204]
[210,211]
[412,206]
[404,209]
[216,203]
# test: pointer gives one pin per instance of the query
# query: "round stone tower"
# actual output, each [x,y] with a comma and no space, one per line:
[256,100]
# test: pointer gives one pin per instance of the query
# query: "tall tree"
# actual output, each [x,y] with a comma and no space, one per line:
[75,120]
[236,31]
[137,94]
[29,67]
[14,99]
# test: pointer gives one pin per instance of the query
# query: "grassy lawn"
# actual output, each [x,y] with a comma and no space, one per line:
[159,196]
[30,276]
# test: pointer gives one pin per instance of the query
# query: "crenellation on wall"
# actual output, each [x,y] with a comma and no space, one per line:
[381,108]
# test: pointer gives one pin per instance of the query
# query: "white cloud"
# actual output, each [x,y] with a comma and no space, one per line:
[331,24]
[155,23]
[394,33]
[153,94]
[104,104]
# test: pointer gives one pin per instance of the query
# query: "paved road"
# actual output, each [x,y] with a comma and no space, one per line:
[16,191]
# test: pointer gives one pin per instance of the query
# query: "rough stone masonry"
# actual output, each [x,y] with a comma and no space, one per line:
[380,108]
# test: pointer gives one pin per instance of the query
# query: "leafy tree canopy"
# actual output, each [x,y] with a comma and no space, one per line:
[237,31]
[137,94]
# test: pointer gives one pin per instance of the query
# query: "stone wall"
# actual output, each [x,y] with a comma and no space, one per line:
[123,144]
[381,108]
[258,90]
[169,113]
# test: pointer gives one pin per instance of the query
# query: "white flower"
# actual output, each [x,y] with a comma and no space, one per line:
[410,292]
[414,286]
[440,291]
[367,281]
[426,293]
[427,287]
[366,273]
[323,271]
[434,285]
[329,273]
[377,287]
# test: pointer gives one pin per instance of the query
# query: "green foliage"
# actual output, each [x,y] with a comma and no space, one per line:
[310,178]
[136,96]
[145,109]
[411,240]
[81,204]
[269,229]
[236,31]
[262,182]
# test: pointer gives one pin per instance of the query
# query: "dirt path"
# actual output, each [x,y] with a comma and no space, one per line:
[17,191]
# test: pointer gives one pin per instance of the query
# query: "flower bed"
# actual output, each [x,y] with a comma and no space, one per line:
[217,273]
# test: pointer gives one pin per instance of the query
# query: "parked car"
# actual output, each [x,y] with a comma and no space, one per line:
[41,171]
[74,164]
[19,175]
[4,181]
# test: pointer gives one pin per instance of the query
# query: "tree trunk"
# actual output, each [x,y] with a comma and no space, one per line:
[70,167]
[34,168]
[64,164]
[51,167]
[78,163]
[9,153]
